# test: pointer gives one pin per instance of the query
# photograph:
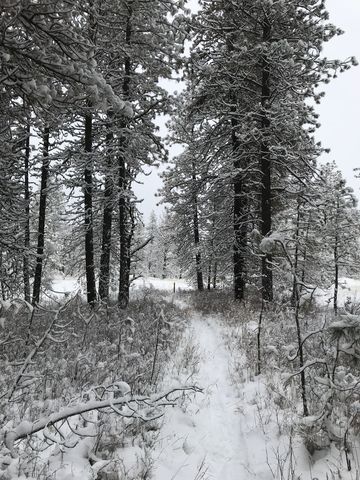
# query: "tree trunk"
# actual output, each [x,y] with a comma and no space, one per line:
[239,219]
[295,291]
[88,203]
[336,256]
[304,262]
[265,167]
[42,217]
[336,280]
[124,277]
[198,262]
[215,276]
[3,293]
[104,276]
[165,262]
[124,200]
[26,271]
[301,357]
[240,201]
[258,365]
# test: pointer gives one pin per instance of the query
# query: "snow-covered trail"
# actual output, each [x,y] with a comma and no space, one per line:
[207,441]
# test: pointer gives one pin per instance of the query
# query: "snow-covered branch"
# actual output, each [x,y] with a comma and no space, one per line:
[309,364]
[26,429]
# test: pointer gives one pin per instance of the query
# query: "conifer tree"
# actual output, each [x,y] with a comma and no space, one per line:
[255,66]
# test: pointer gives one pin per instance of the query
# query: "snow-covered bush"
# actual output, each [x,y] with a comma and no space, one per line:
[64,369]
[331,367]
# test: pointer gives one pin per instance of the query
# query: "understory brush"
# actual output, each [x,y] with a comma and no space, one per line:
[265,343]
[65,368]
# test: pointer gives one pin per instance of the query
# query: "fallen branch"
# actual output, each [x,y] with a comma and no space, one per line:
[26,429]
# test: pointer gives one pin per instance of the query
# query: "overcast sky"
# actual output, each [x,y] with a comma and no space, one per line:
[339,111]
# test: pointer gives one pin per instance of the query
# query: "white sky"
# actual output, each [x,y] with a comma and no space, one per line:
[339,111]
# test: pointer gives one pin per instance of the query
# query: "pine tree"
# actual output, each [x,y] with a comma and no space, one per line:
[253,77]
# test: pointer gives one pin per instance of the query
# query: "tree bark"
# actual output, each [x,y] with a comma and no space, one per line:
[88,203]
[124,277]
[240,201]
[295,291]
[104,276]
[215,276]
[265,167]
[26,269]
[196,233]
[305,254]
[336,257]
[42,217]
[239,219]
[124,207]
[336,285]
[3,293]
[165,262]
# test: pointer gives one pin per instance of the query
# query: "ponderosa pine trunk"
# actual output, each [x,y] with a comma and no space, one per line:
[336,285]
[239,219]
[42,216]
[165,264]
[336,264]
[305,254]
[124,207]
[124,277]
[265,167]
[26,269]
[3,293]
[240,201]
[88,204]
[104,275]
[336,256]
[295,291]
[215,276]
[196,233]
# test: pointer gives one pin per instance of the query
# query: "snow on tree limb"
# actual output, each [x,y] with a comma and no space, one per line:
[308,364]
[26,429]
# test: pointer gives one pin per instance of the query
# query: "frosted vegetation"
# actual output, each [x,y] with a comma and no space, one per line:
[221,339]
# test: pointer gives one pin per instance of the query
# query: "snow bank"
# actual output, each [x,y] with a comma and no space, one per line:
[348,288]
[62,286]
[166,284]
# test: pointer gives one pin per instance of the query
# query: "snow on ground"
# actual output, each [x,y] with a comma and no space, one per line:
[348,288]
[230,432]
[166,284]
[210,439]
[62,285]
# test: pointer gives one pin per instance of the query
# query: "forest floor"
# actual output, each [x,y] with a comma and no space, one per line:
[237,428]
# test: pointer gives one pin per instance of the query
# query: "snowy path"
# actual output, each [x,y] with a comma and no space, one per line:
[207,441]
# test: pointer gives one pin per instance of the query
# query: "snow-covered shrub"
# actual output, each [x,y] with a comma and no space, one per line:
[331,366]
[71,356]
[213,301]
